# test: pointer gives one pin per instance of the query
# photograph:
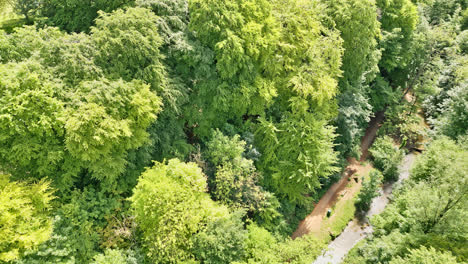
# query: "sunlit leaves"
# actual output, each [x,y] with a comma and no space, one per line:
[24,216]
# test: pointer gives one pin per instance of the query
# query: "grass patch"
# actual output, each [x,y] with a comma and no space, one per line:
[344,212]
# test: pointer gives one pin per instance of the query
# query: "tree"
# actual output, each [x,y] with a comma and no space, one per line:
[369,190]
[298,154]
[24,216]
[76,15]
[294,139]
[386,157]
[27,8]
[61,132]
[236,182]
[359,28]
[128,47]
[170,204]
[117,256]
[426,211]
[223,241]
[425,256]
[241,36]
[399,19]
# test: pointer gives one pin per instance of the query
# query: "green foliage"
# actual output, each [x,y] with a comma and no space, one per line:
[241,35]
[82,217]
[222,149]
[263,247]
[77,15]
[298,154]
[399,19]
[369,190]
[223,241]
[359,28]
[425,256]
[116,256]
[382,94]
[454,120]
[353,116]
[170,204]
[386,157]
[439,10]
[260,245]
[235,181]
[309,56]
[58,132]
[27,8]
[24,216]
[304,249]
[357,22]
[425,212]
[128,46]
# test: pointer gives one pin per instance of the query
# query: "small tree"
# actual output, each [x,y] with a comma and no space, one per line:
[370,190]
[386,157]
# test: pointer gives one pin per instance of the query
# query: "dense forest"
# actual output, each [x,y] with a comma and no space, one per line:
[204,131]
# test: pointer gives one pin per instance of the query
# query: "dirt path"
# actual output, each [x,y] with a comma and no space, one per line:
[313,222]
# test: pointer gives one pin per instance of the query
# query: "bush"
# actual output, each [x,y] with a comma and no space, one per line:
[223,241]
[369,190]
[386,157]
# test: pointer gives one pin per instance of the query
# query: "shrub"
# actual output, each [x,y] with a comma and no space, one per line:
[369,190]
[386,157]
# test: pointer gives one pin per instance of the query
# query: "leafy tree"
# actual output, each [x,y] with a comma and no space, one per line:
[28,8]
[369,190]
[128,47]
[441,10]
[76,15]
[263,247]
[242,36]
[298,154]
[59,133]
[399,19]
[296,128]
[236,182]
[309,59]
[454,119]
[353,116]
[117,256]
[4,4]
[223,241]
[170,204]
[386,157]
[360,30]
[24,216]
[425,256]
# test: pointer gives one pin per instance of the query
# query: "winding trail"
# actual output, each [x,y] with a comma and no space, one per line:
[313,222]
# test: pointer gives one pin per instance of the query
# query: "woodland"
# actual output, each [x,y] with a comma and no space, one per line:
[204,131]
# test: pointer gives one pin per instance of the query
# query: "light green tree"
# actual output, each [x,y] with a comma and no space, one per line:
[170,204]
[24,216]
